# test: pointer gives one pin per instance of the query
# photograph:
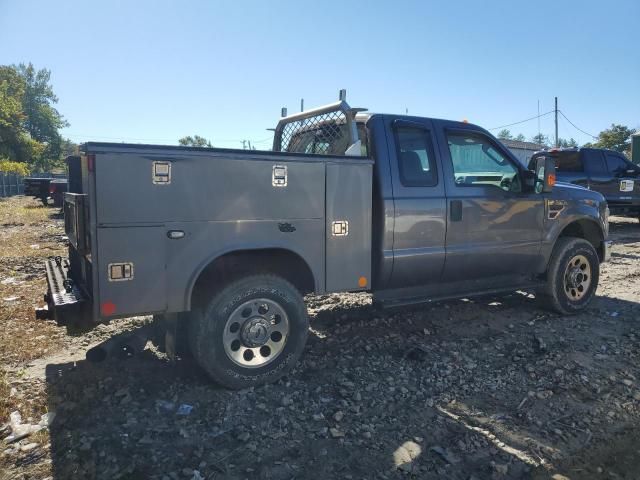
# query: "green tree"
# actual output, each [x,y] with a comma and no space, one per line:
[505,134]
[520,138]
[564,143]
[540,139]
[15,142]
[617,138]
[41,119]
[195,141]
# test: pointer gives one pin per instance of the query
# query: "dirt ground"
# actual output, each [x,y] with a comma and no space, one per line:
[490,388]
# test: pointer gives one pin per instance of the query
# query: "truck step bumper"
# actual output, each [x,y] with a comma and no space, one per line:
[66,303]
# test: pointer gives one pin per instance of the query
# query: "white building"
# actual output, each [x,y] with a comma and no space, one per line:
[522,150]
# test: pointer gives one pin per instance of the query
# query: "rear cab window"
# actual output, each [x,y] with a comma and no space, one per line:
[326,138]
[569,162]
[416,160]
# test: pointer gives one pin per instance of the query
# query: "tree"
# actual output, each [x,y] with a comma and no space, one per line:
[195,141]
[564,143]
[42,121]
[505,134]
[15,141]
[520,138]
[617,138]
[540,139]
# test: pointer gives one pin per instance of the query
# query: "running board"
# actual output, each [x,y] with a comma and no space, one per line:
[390,303]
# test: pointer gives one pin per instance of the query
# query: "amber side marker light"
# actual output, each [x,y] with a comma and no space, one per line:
[551,179]
[362,282]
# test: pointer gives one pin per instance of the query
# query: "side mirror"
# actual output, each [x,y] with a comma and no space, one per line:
[545,174]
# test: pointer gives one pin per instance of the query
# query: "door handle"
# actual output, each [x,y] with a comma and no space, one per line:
[455,210]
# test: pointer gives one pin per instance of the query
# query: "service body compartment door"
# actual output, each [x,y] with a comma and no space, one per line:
[131,277]
[348,228]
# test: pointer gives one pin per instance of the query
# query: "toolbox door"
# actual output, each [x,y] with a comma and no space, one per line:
[348,226]
[132,266]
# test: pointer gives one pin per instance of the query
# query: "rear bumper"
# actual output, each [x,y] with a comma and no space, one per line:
[606,250]
[66,303]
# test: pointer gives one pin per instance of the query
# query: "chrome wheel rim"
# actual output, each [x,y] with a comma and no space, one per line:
[255,333]
[577,278]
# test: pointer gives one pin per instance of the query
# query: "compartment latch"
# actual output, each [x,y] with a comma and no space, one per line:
[119,272]
[279,176]
[340,228]
[161,173]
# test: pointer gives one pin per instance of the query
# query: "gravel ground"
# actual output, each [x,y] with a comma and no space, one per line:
[489,388]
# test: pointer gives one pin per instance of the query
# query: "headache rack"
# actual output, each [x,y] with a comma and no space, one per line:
[326,130]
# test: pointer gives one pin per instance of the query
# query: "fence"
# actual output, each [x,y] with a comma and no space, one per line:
[12,184]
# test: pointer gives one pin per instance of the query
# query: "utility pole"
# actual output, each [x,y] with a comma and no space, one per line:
[302,104]
[556,111]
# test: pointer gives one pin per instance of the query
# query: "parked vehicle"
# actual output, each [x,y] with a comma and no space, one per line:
[604,171]
[48,190]
[224,243]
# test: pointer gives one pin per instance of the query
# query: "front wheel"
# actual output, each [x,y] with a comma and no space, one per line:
[572,276]
[252,332]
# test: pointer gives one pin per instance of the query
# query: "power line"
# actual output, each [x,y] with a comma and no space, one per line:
[523,121]
[574,126]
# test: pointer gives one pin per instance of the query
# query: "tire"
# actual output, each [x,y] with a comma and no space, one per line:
[252,332]
[572,276]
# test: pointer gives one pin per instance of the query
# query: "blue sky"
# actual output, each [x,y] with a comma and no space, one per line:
[153,71]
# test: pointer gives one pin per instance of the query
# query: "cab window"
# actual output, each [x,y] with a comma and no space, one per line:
[569,162]
[476,161]
[616,164]
[415,157]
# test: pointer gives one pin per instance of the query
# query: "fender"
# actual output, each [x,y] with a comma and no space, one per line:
[561,213]
[246,247]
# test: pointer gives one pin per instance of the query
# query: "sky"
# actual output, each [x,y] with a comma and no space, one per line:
[153,71]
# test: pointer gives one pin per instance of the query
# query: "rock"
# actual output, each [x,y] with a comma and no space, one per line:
[366,435]
[335,433]
[539,345]
[501,469]
[448,456]
[627,382]
[244,436]
[29,446]
[338,416]
[286,401]
[636,395]
[404,455]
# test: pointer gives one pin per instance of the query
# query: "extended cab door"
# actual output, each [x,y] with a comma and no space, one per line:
[493,228]
[600,180]
[420,208]
[624,185]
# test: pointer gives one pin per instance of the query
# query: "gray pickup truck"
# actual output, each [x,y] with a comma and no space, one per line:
[223,244]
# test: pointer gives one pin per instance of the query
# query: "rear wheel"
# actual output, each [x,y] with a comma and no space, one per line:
[251,332]
[572,276]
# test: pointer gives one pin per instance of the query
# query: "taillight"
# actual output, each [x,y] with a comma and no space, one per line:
[52,188]
[91,162]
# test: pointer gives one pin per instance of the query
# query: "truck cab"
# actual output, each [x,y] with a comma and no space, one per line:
[605,171]
[222,244]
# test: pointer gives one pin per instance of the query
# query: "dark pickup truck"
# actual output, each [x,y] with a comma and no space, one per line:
[223,244]
[604,171]
[46,189]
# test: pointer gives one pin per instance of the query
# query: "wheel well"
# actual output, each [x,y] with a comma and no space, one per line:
[230,266]
[588,230]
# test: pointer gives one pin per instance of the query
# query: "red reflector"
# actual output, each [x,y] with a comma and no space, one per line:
[108,308]
[91,162]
